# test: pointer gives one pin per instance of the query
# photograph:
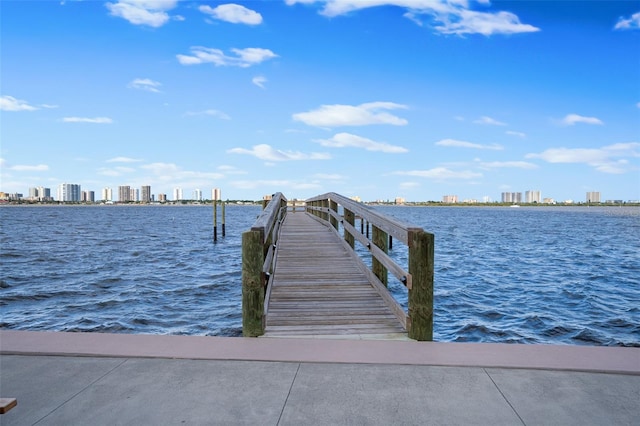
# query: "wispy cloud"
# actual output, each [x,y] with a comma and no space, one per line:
[465,144]
[508,165]
[211,113]
[441,173]
[96,120]
[489,121]
[151,13]
[572,119]
[274,185]
[172,173]
[447,16]
[145,84]
[233,13]
[343,140]
[518,134]
[631,23]
[9,103]
[28,168]
[231,170]
[350,115]
[243,58]
[115,171]
[267,153]
[607,159]
[329,176]
[123,160]
[259,81]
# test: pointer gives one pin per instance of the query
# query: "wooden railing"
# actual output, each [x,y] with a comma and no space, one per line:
[418,279]
[258,254]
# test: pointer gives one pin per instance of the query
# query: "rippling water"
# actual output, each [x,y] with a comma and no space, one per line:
[529,275]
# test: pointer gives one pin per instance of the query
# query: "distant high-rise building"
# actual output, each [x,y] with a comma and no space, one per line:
[593,197]
[88,197]
[512,197]
[134,194]
[69,192]
[533,197]
[450,199]
[33,193]
[177,194]
[107,194]
[197,195]
[44,194]
[124,193]
[216,194]
[399,200]
[162,198]
[145,196]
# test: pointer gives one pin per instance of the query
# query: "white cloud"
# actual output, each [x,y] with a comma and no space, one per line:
[273,184]
[349,115]
[508,164]
[605,159]
[268,153]
[489,121]
[172,173]
[115,171]
[259,81]
[9,103]
[328,176]
[342,140]
[25,168]
[231,170]
[632,23]
[486,23]
[453,16]
[409,185]
[518,134]
[212,113]
[123,160]
[233,13]
[145,84]
[244,57]
[143,12]
[464,144]
[441,173]
[572,119]
[96,120]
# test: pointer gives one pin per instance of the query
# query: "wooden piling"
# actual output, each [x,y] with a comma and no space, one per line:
[380,238]
[215,219]
[421,255]
[253,283]
[349,217]
[224,231]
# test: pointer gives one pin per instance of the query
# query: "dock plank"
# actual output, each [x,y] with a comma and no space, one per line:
[319,290]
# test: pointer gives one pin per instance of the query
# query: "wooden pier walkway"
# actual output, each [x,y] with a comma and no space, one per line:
[302,277]
[318,288]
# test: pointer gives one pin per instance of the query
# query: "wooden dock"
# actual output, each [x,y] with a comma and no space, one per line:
[318,289]
[302,277]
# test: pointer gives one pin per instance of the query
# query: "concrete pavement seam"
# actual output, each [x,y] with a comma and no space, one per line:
[503,395]
[288,394]
[81,390]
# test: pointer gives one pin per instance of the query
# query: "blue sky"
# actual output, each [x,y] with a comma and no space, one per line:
[377,99]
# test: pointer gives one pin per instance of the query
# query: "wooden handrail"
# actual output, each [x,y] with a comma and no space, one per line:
[258,254]
[418,280]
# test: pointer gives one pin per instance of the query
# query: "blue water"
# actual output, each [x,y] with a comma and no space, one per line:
[526,275]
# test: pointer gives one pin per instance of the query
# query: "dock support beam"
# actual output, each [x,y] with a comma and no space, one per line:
[253,283]
[421,254]
[350,218]
[380,239]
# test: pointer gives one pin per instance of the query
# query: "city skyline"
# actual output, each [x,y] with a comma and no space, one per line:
[377,100]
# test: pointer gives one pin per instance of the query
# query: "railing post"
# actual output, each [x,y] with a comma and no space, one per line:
[380,239]
[253,280]
[349,217]
[333,206]
[325,214]
[420,318]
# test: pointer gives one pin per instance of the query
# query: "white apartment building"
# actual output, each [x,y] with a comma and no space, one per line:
[107,194]
[197,195]
[593,197]
[69,192]
[533,197]
[177,194]
[145,196]
[216,194]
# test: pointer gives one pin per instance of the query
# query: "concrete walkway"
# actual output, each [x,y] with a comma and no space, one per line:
[106,379]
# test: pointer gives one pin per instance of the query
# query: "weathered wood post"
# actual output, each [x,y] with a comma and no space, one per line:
[420,318]
[253,280]
[333,206]
[380,239]
[224,231]
[349,217]
[325,213]
[215,219]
